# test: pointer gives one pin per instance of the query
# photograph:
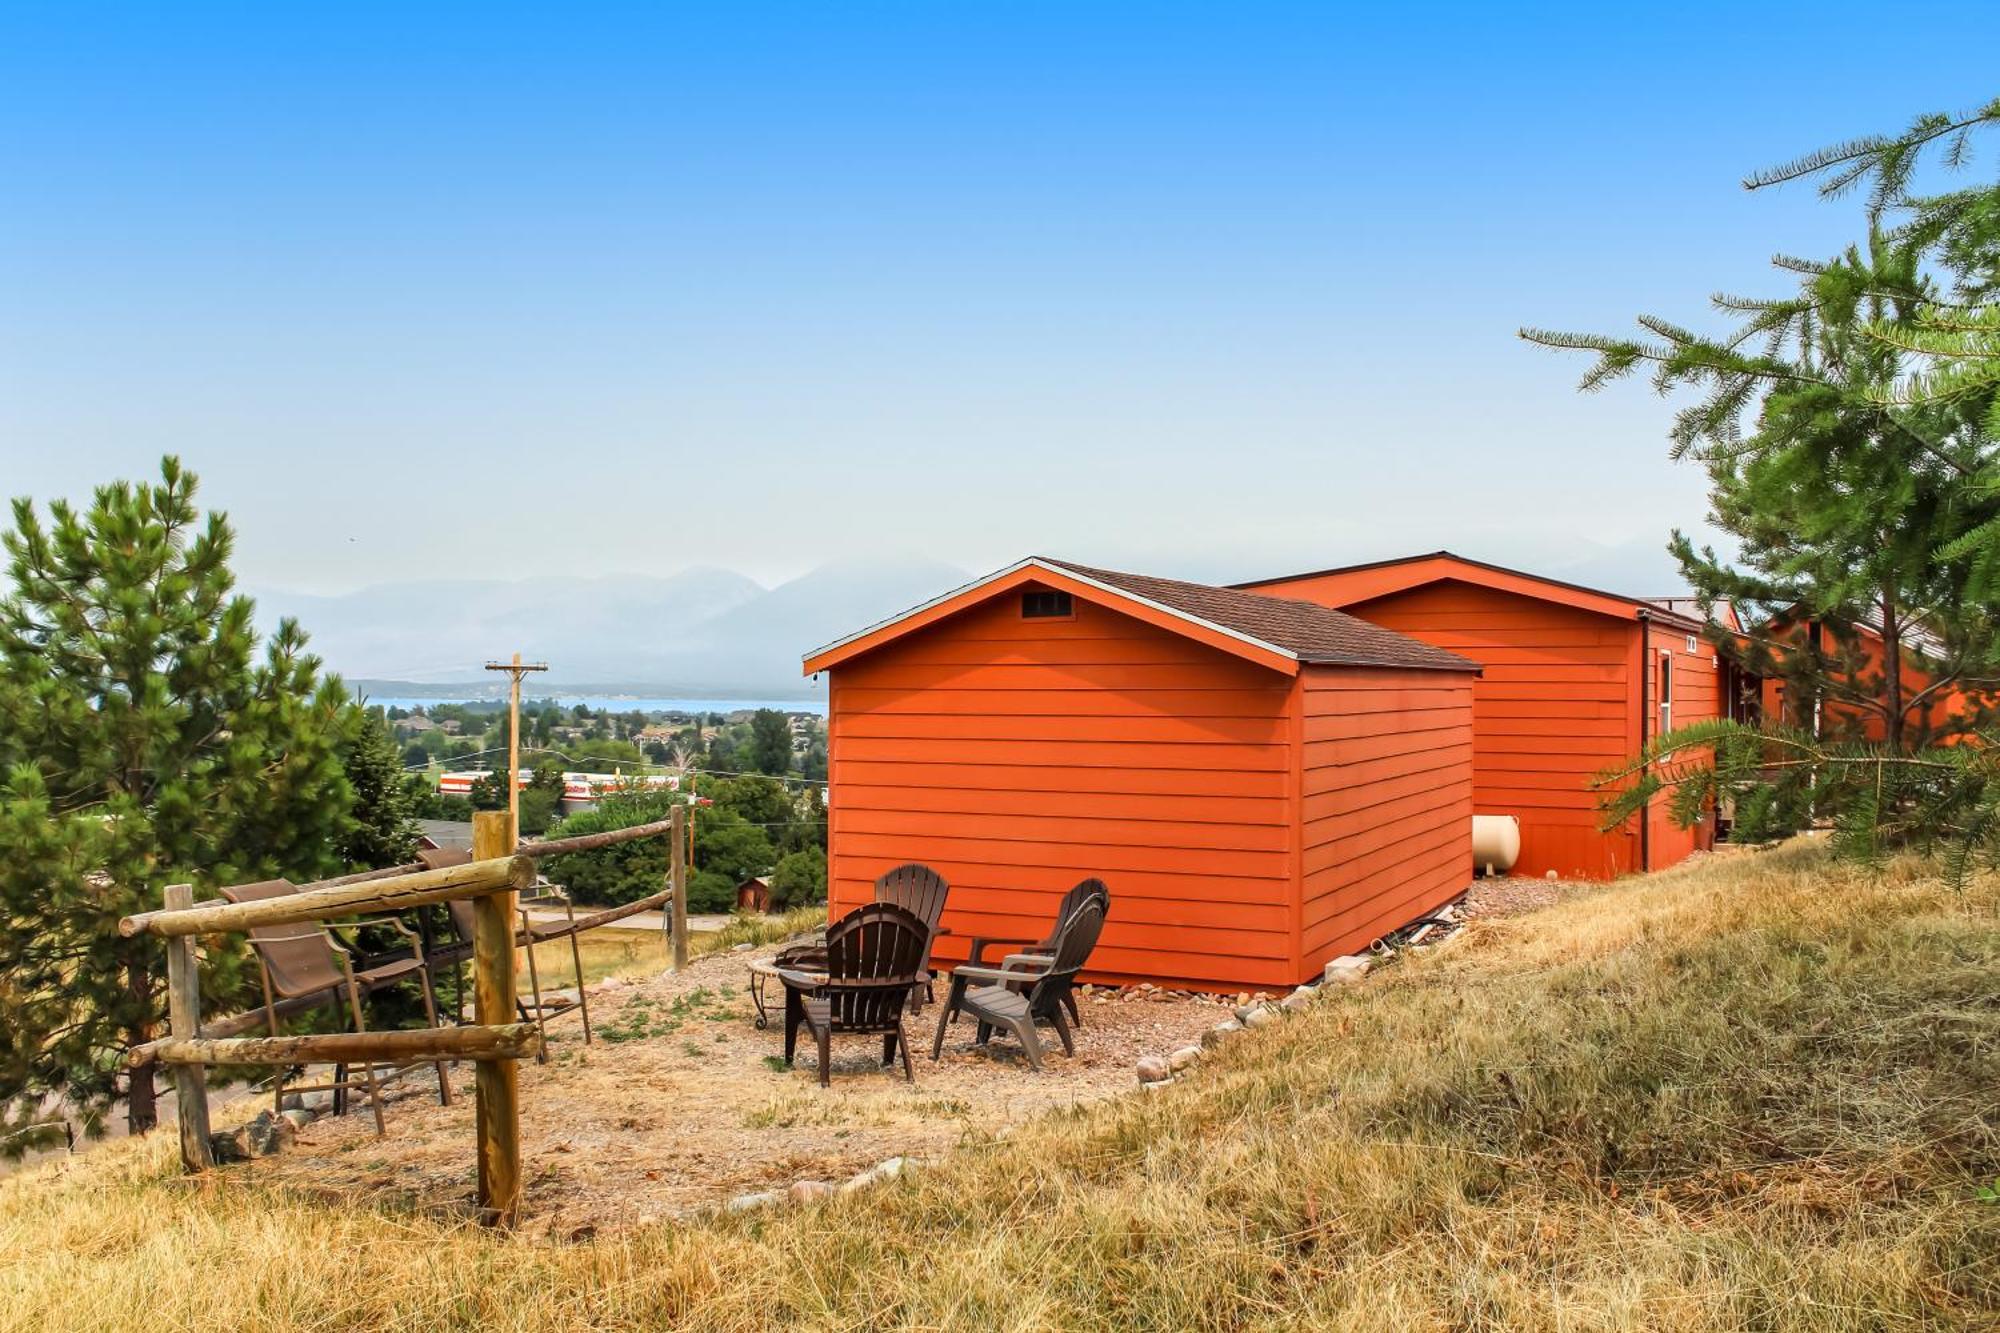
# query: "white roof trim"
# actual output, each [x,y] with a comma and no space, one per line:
[1037,562]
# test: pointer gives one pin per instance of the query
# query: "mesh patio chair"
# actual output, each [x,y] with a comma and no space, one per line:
[874,960]
[305,959]
[535,1008]
[1030,989]
[1071,903]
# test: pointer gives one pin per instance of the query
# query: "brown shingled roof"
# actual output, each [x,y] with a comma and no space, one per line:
[1307,631]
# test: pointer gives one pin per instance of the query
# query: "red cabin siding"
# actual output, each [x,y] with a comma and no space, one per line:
[1019,756]
[1386,818]
[1559,701]
[1252,819]
[1550,713]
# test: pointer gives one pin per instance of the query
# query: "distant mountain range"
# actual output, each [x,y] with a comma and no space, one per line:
[702,632]
[706,632]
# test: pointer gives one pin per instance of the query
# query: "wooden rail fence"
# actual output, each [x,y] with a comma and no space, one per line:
[500,868]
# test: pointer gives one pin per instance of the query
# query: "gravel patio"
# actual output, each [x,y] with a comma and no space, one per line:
[681,1103]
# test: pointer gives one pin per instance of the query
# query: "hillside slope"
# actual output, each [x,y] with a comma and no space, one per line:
[1757,1092]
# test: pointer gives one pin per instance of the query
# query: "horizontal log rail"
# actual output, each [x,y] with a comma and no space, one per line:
[141,919]
[537,850]
[510,1041]
[502,867]
[451,953]
[251,1019]
[474,879]
[590,842]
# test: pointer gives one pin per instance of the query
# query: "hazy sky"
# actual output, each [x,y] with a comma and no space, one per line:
[1215,290]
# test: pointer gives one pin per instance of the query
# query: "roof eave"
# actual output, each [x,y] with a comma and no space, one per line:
[1633,606]
[832,654]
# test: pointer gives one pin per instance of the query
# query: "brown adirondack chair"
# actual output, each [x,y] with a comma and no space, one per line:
[1030,989]
[915,888]
[921,891]
[874,959]
[305,959]
[1071,902]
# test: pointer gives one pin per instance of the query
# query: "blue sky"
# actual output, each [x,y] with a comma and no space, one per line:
[1206,290]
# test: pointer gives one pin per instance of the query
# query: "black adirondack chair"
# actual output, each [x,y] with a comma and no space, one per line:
[874,959]
[1030,989]
[1071,902]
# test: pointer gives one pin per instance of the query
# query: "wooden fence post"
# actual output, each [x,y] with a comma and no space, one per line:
[498,1089]
[677,912]
[184,1021]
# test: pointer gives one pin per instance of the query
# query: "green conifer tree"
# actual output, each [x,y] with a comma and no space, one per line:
[146,738]
[384,812]
[1852,433]
[1845,499]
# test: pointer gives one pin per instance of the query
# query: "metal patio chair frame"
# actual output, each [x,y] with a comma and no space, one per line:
[290,963]
[532,1008]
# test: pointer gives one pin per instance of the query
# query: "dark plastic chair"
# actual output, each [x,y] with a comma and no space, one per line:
[874,959]
[1030,989]
[916,889]
[1071,903]
[921,891]
[305,959]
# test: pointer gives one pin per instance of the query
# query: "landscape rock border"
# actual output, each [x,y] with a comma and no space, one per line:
[1422,936]
[817,1191]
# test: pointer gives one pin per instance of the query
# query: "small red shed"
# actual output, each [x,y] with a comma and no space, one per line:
[1263,783]
[754,895]
[1576,681]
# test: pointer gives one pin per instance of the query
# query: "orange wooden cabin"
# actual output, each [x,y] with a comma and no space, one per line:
[1947,715]
[1576,681]
[1264,784]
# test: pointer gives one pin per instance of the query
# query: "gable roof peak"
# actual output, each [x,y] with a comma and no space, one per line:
[1268,627]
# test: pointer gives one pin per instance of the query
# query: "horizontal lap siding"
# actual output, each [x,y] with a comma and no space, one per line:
[1020,756]
[1552,709]
[1386,803]
[1697,698]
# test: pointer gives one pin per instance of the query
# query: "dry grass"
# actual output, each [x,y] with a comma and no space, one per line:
[614,952]
[1759,1093]
[681,1104]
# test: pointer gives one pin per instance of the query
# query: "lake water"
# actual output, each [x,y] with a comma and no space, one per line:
[619,703]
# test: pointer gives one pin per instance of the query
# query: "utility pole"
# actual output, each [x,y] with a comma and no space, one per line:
[515,670]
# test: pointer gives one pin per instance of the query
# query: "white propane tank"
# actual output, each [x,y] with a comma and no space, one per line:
[1496,843]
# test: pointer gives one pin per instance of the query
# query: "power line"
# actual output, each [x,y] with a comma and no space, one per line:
[651,770]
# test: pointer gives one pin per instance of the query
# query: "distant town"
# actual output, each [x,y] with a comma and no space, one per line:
[435,736]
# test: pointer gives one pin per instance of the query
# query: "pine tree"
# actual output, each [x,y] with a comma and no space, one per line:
[143,741]
[384,812]
[1845,498]
[1866,487]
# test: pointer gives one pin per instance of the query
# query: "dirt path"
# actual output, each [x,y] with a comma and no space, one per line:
[682,1103]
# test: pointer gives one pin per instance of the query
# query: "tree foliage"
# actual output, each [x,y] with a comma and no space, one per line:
[770,742]
[384,831]
[623,872]
[147,737]
[799,879]
[1843,498]
[1849,430]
